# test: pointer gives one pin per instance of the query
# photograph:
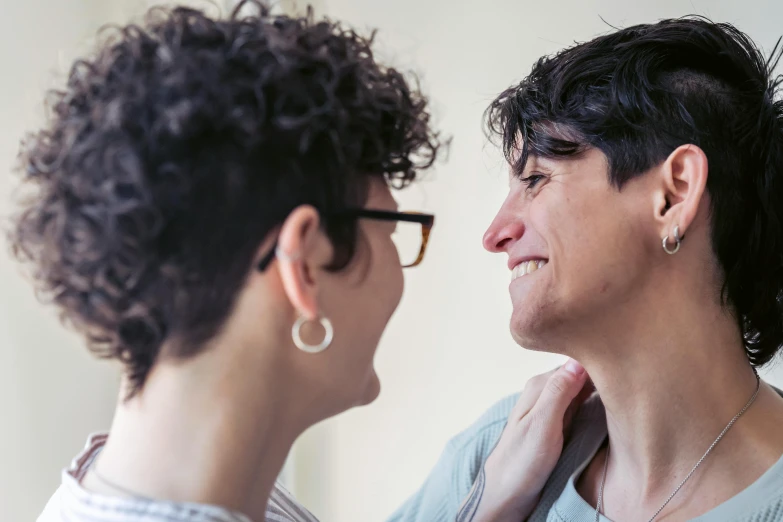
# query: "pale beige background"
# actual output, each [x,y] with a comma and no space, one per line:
[446,355]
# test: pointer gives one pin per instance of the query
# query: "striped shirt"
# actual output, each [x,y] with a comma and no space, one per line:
[72,503]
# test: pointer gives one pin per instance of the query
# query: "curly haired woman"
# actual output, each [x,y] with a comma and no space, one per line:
[211,207]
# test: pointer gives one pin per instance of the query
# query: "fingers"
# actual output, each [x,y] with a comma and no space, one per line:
[562,387]
[586,391]
[530,395]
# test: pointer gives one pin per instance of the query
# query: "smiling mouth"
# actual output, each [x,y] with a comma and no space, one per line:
[527,267]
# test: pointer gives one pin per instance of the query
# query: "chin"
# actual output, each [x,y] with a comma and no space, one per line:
[528,330]
[371,390]
[525,340]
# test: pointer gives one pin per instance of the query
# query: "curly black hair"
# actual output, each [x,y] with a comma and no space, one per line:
[175,150]
[639,93]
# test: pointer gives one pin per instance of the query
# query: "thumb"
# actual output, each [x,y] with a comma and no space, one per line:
[560,390]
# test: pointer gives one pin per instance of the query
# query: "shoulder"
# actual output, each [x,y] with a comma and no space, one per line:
[479,439]
[52,511]
[465,453]
[469,449]
[485,430]
[439,498]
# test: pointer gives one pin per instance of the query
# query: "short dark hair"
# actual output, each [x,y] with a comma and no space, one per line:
[181,144]
[637,94]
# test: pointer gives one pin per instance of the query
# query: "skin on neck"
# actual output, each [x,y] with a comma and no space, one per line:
[669,366]
[215,428]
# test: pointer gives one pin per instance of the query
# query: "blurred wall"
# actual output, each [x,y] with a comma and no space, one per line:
[52,394]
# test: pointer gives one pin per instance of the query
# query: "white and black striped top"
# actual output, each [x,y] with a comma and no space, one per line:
[72,503]
[283,507]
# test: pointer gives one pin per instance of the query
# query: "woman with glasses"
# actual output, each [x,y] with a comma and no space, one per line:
[210,206]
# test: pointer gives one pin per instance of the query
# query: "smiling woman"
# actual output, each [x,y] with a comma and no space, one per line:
[647,171]
[642,136]
[210,205]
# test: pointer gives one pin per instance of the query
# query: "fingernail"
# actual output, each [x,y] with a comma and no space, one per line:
[574,367]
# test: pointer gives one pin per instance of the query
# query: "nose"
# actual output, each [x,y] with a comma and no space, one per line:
[507,228]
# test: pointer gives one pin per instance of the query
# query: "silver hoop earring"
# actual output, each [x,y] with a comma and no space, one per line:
[296,334]
[677,242]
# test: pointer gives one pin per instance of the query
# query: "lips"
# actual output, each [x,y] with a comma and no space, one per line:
[527,267]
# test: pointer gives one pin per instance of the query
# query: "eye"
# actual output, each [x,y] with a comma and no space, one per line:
[532,180]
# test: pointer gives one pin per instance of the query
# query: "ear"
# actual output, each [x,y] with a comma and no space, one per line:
[683,183]
[304,249]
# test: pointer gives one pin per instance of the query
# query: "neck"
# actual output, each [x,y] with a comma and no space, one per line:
[670,379]
[195,434]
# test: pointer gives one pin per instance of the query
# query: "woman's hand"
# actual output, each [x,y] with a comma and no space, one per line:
[509,484]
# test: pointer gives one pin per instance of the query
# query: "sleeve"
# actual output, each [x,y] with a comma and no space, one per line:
[449,482]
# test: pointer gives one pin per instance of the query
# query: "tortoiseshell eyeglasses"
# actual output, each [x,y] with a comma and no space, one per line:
[410,236]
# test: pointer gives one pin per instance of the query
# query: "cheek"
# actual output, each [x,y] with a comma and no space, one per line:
[571,217]
[389,279]
[369,290]
[379,291]
[592,240]
[607,253]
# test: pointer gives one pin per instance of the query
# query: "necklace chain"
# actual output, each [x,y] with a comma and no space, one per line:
[117,487]
[600,503]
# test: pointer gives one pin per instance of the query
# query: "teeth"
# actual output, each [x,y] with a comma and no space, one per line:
[527,267]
